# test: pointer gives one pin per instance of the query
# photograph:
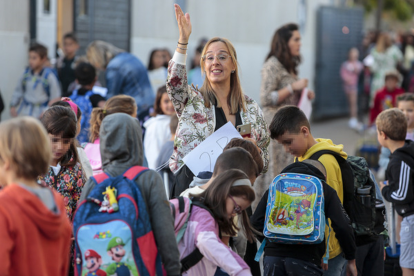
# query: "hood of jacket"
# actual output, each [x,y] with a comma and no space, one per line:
[323,144]
[120,143]
[158,118]
[16,199]
[408,148]
[304,168]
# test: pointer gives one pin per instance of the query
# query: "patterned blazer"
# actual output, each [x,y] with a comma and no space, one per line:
[197,122]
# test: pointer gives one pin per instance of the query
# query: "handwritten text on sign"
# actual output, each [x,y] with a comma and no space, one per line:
[204,156]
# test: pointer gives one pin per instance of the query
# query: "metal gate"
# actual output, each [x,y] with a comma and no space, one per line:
[338,29]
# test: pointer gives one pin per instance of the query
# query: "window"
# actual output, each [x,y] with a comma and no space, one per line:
[46,6]
[83,7]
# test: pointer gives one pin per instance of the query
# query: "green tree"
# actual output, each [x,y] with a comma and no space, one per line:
[399,9]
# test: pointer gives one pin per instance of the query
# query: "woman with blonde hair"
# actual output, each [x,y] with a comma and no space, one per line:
[220,100]
[386,57]
[124,73]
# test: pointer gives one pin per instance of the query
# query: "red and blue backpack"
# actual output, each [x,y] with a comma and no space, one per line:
[112,229]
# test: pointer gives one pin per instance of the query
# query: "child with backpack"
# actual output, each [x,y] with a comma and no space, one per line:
[398,189]
[121,147]
[85,98]
[291,128]
[294,210]
[37,89]
[157,131]
[35,234]
[117,104]
[65,173]
[86,166]
[212,212]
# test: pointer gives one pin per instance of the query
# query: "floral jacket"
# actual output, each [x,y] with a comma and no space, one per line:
[69,183]
[197,122]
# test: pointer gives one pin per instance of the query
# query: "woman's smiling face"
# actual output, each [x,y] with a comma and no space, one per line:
[218,63]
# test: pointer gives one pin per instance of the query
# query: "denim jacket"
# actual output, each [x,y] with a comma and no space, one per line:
[125,74]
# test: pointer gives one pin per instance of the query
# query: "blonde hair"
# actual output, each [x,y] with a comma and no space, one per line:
[393,123]
[236,100]
[25,144]
[117,104]
[100,53]
[383,43]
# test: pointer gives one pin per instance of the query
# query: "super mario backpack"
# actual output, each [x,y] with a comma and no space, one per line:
[295,212]
[85,105]
[113,231]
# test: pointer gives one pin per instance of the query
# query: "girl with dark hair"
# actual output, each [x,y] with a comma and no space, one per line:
[157,73]
[228,196]
[280,86]
[65,173]
[157,130]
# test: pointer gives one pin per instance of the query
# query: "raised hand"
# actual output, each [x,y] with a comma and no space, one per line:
[184,24]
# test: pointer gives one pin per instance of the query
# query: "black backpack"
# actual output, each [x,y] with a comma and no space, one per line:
[359,196]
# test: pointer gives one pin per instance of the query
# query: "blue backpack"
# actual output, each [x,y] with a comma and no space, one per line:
[295,212]
[112,229]
[85,105]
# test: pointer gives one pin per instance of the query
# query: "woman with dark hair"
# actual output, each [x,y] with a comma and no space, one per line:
[157,73]
[280,86]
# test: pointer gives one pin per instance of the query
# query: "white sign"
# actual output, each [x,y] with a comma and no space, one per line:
[204,156]
[305,104]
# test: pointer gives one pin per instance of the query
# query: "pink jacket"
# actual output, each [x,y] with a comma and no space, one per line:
[93,152]
[202,232]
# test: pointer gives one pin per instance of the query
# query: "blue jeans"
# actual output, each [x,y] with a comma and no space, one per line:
[278,266]
[336,266]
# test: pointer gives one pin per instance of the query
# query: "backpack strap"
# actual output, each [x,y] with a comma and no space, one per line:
[25,77]
[99,178]
[45,81]
[133,172]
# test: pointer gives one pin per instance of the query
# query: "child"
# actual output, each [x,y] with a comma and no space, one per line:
[406,105]
[387,97]
[157,73]
[35,234]
[297,259]
[392,130]
[231,158]
[229,195]
[66,64]
[157,131]
[85,98]
[37,89]
[350,71]
[117,104]
[86,166]
[121,148]
[166,152]
[65,173]
[291,128]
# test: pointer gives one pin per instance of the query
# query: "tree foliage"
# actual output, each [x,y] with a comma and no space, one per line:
[400,9]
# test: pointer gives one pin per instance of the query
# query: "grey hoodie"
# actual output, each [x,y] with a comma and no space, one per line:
[121,148]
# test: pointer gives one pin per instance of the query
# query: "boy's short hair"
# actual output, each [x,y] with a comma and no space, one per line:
[288,119]
[250,147]
[392,74]
[28,158]
[173,124]
[236,158]
[40,49]
[393,123]
[85,73]
[406,97]
[71,36]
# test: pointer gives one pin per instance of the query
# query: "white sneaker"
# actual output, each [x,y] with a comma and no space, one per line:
[353,123]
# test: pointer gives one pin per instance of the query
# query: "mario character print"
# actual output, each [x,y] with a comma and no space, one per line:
[93,263]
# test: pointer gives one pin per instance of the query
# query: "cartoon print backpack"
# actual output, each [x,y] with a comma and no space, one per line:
[113,231]
[85,106]
[181,211]
[295,212]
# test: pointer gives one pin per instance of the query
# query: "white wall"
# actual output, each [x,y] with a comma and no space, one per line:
[46,29]
[14,41]
[249,25]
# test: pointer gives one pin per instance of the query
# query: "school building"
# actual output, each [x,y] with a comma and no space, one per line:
[139,26]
